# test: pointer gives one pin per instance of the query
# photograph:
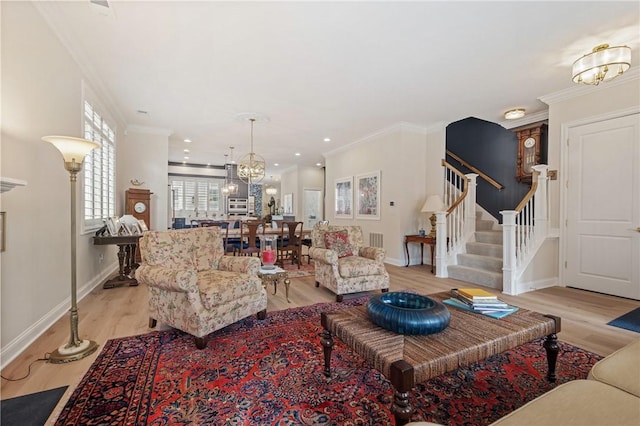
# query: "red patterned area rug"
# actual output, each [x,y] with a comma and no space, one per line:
[270,372]
[304,271]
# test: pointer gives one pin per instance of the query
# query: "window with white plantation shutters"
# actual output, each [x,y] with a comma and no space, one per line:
[189,193]
[99,169]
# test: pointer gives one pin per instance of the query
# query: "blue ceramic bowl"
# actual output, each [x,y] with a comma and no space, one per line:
[408,313]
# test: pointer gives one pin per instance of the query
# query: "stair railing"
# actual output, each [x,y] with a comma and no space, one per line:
[524,230]
[491,181]
[454,225]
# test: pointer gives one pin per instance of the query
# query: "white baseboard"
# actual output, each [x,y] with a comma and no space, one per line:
[403,262]
[525,287]
[15,347]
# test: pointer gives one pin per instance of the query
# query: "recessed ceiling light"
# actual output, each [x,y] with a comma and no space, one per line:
[186,151]
[276,164]
[208,164]
[327,139]
[187,140]
[512,114]
[318,164]
[186,158]
[297,154]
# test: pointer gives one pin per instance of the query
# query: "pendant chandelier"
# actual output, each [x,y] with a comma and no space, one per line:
[602,64]
[225,186]
[270,189]
[251,167]
[230,187]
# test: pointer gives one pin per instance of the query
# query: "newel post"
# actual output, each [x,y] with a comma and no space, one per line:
[508,251]
[441,245]
[541,206]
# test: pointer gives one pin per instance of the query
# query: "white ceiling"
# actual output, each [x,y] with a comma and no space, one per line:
[342,70]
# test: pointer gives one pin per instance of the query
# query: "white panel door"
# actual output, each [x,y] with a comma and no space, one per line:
[312,205]
[603,207]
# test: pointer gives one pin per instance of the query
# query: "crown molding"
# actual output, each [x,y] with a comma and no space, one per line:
[54,18]
[402,126]
[582,89]
[148,130]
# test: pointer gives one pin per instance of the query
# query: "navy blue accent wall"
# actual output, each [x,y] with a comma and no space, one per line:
[492,149]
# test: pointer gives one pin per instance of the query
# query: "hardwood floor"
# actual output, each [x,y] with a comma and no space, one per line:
[122,311]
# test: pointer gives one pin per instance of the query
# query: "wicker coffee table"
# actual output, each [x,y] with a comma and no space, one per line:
[407,360]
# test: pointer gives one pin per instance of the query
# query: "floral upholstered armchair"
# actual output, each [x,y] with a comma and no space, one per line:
[343,264]
[193,286]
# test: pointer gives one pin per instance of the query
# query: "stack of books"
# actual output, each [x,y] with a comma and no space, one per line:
[480,301]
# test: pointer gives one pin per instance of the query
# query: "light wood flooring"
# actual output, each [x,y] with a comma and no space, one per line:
[122,311]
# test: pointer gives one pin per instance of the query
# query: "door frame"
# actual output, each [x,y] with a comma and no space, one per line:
[565,128]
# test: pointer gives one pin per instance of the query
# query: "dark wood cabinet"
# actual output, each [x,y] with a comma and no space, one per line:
[138,204]
[532,149]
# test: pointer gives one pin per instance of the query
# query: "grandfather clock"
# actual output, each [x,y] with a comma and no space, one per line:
[532,150]
[138,202]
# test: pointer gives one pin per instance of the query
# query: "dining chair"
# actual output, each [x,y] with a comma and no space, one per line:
[249,232]
[290,243]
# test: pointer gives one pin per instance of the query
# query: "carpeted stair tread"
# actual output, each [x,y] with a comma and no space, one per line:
[475,276]
[485,249]
[484,225]
[486,263]
[491,237]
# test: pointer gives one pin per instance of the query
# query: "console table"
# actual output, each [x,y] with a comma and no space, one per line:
[126,258]
[422,240]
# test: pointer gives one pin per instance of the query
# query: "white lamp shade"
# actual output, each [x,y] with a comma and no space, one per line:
[433,204]
[72,149]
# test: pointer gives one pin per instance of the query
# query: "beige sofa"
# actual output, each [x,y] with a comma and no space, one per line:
[609,396]
[193,286]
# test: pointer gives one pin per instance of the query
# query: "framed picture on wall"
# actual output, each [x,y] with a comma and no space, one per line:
[288,203]
[368,196]
[344,198]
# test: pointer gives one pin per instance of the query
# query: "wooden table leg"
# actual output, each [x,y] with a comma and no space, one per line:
[432,263]
[402,380]
[326,340]
[287,281]
[406,249]
[552,348]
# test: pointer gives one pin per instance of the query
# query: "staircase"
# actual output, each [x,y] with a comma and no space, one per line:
[482,263]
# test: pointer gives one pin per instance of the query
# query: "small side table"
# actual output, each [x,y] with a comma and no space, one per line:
[272,276]
[422,240]
[126,258]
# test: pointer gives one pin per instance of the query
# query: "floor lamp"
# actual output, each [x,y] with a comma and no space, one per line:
[73,151]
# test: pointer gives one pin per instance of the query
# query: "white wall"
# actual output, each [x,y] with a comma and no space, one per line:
[144,155]
[41,95]
[289,185]
[408,158]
